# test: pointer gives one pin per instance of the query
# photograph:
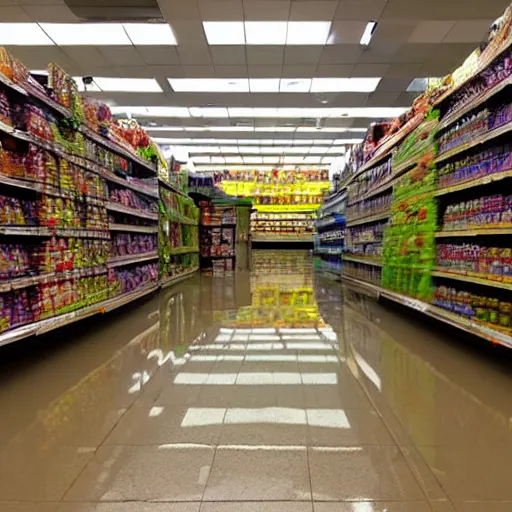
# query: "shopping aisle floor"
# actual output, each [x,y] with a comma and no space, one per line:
[258,393]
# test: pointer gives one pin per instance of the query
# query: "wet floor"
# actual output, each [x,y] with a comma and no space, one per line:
[272,391]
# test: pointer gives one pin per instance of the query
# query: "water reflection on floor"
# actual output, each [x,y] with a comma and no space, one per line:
[270,391]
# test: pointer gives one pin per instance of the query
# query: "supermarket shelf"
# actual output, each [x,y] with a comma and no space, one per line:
[365,242]
[55,322]
[164,283]
[184,250]
[125,183]
[227,225]
[329,250]
[19,183]
[384,151]
[404,166]
[115,207]
[472,279]
[281,237]
[474,183]
[171,187]
[288,208]
[369,219]
[116,148]
[467,325]
[133,228]
[9,83]
[217,257]
[24,282]
[45,231]
[182,220]
[43,98]
[366,261]
[457,114]
[382,188]
[482,139]
[131,258]
[473,232]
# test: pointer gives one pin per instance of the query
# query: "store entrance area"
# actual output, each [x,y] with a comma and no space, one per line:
[274,390]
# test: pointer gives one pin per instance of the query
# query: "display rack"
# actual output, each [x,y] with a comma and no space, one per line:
[428,213]
[285,203]
[78,208]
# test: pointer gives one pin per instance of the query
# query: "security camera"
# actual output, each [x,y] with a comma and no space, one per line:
[87,80]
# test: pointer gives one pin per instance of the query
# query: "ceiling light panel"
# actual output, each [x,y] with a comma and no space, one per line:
[272,150]
[322,142]
[253,159]
[23,34]
[145,34]
[208,112]
[319,149]
[368,33]
[344,84]
[229,149]
[234,160]
[201,159]
[338,142]
[164,128]
[265,32]
[249,149]
[224,32]
[91,34]
[295,85]
[168,112]
[264,84]
[293,160]
[218,160]
[308,32]
[127,84]
[312,159]
[298,142]
[209,84]
[270,159]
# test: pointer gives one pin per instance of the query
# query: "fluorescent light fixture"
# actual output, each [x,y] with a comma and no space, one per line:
[218,160]
[127,84]
[248,141]
[249,149]
[90,34]
[319,149]
[298,142]
[229,149]
[265,32]
[296,150]
[164,128]
[209,84]
[336,149]
[322,142]
[168,112]
[264,84]
[344,84]
[312,159]
[145,34]
[295,85]
[270,159]
[285,128]
[234,160]
[224,32]
[23,34]
[308,32]
[208,112]
[283,141]
[253,159]
[201,159]
[231,128]
[368,33]
[328,159]
[272,150]
[338,142]
[293,159]
[330,129]
[204,149]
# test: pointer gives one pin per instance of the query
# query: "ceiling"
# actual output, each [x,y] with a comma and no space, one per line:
[413,38]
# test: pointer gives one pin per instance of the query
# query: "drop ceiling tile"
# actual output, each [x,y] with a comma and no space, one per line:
[370,70]
[221,10]
[231,71]
[166,71]
[159,55]
[418,52]
[333,70]
[430,31]
[134,71]
[189,33]
[122,55]
[404,70]
[198,71]
[38,57]
[86,56]
[437,68]
[51,13]
[14,14]
[455,52]
[471,31]
[378,54]
[265,55]
[382,99]
[349,99]
[393,31]
[228,55]
[173,10]
[194,55]
[302,54]
[256,71]
[405,99]
[346,32]
[263,10]
[363,10]
[341,54]
[299,71]
[320,10]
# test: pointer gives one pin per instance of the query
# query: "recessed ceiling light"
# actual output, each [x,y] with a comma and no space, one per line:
[347,141]
[249,149]
[344,84]
[23,34]
[322,142]
[308,32]
[270,159]
[91,34]
[272,150]
[168,112]
[264,84]
[209,84]
[368,33]
[293,160]
[253,159]
[224,32]
[145,34]
[164,128]
[265,32]
[127,84]
[229,149]
[201,159]
[312,159]
[303,141]
[319,150]
[234,160]
[218,160]
[295,85]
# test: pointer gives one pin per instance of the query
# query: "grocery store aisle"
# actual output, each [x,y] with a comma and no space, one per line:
[258,392]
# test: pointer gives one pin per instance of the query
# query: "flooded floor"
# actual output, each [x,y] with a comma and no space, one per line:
[272,391]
